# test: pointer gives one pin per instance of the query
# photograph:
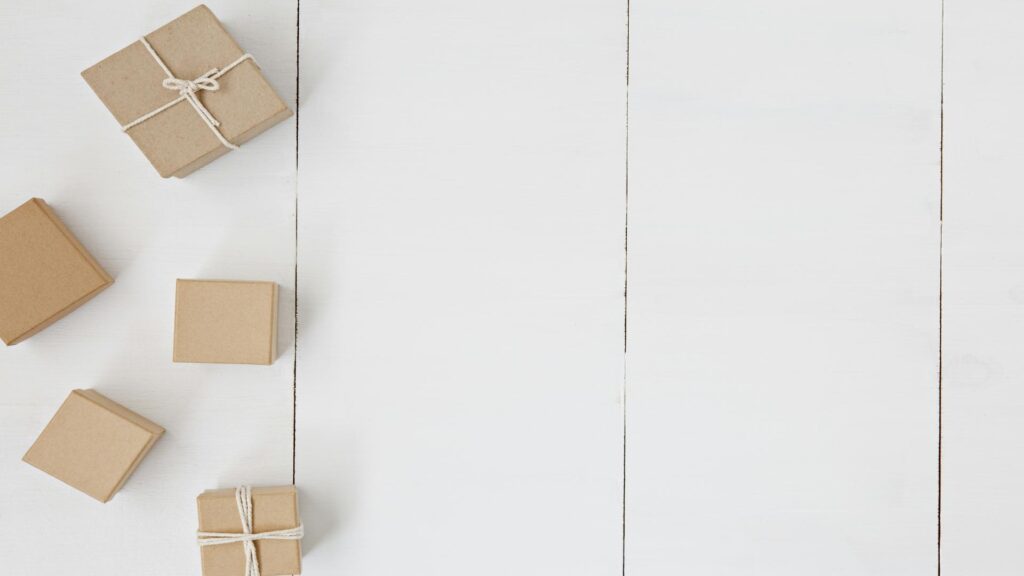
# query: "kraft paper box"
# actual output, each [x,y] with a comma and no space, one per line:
[45,273]
[273,509]
[206,72]
[225,322]
[93,444]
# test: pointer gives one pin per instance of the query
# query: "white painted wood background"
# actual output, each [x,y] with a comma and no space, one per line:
[472,390]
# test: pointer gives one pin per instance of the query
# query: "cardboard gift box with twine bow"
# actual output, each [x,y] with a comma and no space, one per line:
[187,93]
[250,531]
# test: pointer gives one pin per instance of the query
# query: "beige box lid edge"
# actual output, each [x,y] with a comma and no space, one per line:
[84,254]
[91,396]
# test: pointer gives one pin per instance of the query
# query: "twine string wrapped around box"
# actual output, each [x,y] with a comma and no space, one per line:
[187,90]
[243,499]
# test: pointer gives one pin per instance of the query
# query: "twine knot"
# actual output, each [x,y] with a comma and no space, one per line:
[187,90]
[204,82]
[243,499]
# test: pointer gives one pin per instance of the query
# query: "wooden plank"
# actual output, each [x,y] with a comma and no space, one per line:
[983,290]
[783,291]
[225,424]
[460,286]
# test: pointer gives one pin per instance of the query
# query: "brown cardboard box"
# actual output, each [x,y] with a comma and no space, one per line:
[225,322]
[93,444]
[177,141]
[274,508]
[45,273]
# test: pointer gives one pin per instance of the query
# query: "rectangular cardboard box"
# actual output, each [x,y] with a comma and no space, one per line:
[45,272]
[177,141]
[225,322]
[93,444]
[273,508]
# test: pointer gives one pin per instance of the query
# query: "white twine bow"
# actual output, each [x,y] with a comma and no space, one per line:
[243,499]
[187,90]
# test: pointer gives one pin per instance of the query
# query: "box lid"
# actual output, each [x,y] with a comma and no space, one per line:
[93,444]
[44,271]
[273,508]
[225,321]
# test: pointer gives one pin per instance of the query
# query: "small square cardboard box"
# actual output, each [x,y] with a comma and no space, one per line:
[93,444]
[186,93]
[45,272]
[273,508]
[225,322]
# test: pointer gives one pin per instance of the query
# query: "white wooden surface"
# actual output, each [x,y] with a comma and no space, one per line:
[783,288]
[463,403]
[983,297]
[461,232]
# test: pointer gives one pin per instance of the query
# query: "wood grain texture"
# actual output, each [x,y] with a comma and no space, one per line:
[983,290]
[460,287]
[783,288]
[234,220]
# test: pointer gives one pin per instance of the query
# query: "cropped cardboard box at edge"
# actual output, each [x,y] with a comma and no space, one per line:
[45,272]
[177,141]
